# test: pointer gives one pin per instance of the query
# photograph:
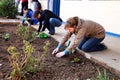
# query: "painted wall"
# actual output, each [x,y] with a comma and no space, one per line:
[107,13]
[30,5]
[43,3]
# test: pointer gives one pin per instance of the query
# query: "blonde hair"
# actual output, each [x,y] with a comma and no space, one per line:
[71,22]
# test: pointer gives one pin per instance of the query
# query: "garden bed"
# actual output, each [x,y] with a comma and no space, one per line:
[53,68]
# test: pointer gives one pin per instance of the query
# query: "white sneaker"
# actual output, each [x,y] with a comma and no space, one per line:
[37,35]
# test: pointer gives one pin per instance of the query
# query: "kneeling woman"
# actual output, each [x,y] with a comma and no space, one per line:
[88,36]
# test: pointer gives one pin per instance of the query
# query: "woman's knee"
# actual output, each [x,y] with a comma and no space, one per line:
[85,49]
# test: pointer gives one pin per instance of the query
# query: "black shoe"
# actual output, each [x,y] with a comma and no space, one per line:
[51,33]
[103,45]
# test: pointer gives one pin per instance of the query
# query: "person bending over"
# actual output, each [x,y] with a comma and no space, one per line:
[28,17]
[88,36]
[48,19]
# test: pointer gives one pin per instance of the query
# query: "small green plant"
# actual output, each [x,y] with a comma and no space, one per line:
[16,73]
[21,67]
[75,60]
[28,63]
[8,8]
[6,36]
[43,56]
[26,33]
[102,76]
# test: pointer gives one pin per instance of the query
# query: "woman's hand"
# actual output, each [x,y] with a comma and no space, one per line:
[55,51]
[60,54]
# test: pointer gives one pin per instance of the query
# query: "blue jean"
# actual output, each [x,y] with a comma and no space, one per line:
[54,23]
[91,44]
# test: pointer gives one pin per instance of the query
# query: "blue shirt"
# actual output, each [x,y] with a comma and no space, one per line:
[29,14]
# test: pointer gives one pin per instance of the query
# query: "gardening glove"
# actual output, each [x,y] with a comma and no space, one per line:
[55,51]
[27,18]
[60,54]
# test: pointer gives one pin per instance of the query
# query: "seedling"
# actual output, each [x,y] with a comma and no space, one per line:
[74,51]
[6,36]
[75,60]
[42,35]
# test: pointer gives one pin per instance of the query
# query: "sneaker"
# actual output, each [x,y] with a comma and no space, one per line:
[37,35]
[51,33]
[103,45]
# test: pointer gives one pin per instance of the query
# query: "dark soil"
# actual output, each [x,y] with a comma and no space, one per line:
[53,68]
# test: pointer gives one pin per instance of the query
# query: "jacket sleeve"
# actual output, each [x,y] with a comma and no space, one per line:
[40,26]
[31,16]
[77,40]
[65,38]
[46,22]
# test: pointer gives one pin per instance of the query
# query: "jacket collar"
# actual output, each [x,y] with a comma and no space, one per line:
[80,22]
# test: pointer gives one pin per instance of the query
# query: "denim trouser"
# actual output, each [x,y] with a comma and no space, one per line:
[24,4]
[54,23]
[91,44]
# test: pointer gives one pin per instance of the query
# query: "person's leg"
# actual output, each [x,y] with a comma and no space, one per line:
[34,6]
[24,4]
[93,44]
[54,23]
[82,42]
[31,22]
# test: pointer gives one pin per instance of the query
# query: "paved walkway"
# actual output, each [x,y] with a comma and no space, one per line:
[109,58]
[9,20]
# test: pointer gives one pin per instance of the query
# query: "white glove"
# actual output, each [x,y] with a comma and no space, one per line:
[55,51]
[60,54]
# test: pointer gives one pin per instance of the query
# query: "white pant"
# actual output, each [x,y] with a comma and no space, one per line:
[34,6]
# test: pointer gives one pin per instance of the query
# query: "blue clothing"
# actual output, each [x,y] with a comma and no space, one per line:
[91,44]
[54,23]
[29,14]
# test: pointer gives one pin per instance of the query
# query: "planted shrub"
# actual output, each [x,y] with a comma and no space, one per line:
[26,33]
[28,63]
[102,76]
[8,8]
